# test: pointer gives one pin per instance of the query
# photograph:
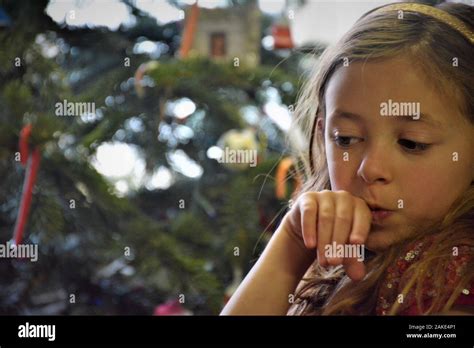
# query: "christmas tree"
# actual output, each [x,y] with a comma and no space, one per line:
[179,225]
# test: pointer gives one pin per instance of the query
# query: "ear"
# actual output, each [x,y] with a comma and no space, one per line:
[320,124]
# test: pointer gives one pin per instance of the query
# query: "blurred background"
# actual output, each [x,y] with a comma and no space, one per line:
[135,207]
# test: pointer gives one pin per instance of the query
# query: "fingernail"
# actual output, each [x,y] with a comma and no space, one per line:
[356,240]
[310,242]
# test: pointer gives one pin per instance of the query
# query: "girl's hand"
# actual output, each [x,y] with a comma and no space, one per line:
[322,218]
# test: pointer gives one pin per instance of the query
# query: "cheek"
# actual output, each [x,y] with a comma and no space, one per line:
[430,190]
[342,170]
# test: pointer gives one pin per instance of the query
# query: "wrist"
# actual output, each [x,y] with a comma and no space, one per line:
[299,258]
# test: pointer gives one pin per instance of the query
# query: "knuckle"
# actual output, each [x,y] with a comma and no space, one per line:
[305,197]
[308,206]
[344,218]
[326,216]
[343,194]
[325,193]
[306,211]
[345,198]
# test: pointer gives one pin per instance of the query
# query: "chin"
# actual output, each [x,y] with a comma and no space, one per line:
[382,237]
[377,242]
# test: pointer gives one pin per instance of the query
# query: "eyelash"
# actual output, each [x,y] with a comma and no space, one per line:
[337,138]
[422,146]
[419,147]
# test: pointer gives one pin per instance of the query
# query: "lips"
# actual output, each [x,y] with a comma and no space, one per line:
[374,206]
[379,213]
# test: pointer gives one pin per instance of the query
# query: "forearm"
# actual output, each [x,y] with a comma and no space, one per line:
[266,288]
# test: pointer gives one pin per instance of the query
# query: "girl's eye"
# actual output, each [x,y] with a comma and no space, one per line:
[344,141]
[413,146]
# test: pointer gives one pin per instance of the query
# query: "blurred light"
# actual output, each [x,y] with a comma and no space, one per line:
[250,114]
[268,42]
[287,87]
[272,7]
[183,132]
[91,13]
[147,81]
[146,46]
[135,124]
[160,179]
[66,140]
[161,10]
[278,114]
[165,134]
[273,95]
[109,100]
[117,160]
[122,187]
[119,135]
[122,164]
[182,108]
[206,3]
[127,271]
[48,49]
[214,152]
[152,48]
[91,117]
[181,162]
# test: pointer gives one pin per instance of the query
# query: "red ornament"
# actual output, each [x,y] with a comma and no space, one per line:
[282,37]
[32,161]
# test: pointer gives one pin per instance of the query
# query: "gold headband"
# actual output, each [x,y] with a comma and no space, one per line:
[434,12]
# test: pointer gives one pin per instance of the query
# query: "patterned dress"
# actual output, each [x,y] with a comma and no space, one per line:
[397,277]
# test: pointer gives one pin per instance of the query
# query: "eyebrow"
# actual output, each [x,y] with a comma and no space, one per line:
[424,117]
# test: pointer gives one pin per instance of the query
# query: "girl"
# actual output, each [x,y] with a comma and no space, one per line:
[389,175]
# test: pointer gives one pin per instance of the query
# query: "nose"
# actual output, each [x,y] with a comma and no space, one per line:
[375,164]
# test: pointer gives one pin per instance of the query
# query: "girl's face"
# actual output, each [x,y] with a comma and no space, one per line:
[394,141]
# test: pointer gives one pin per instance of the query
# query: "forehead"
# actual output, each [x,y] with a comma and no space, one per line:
[362,87]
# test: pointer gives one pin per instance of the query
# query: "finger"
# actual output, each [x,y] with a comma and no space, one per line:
[344,208]
[308,211]
[361,224]
[354,266]
[325,224]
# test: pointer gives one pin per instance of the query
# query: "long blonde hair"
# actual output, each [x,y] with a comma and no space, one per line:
[432,45]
